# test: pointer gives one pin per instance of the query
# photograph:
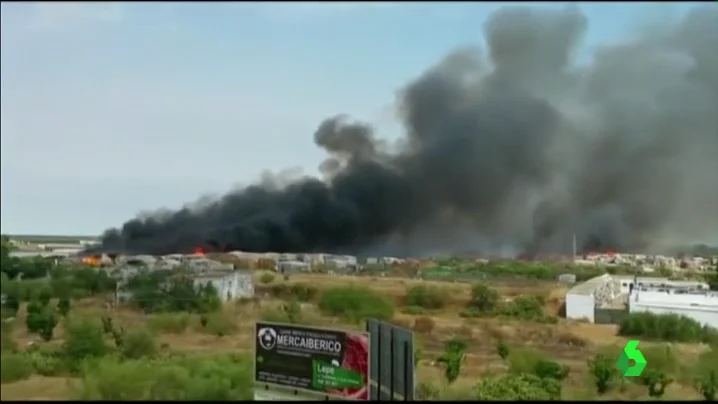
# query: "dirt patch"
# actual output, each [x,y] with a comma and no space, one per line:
[38,388]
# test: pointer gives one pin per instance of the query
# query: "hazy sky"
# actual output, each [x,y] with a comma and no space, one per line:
[109,109]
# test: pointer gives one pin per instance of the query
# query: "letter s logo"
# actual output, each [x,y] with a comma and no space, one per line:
[631,353]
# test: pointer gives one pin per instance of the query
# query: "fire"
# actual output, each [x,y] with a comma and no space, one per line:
[199,251]
[92,261]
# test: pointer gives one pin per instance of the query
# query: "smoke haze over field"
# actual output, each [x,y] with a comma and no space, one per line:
[509,150]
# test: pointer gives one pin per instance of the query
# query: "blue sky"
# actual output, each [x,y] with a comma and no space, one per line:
[109,109]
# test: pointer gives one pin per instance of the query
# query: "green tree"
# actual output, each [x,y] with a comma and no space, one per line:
[603,370]
[42,322]
[138,344]
[708,385]
[48,325]
[11,305]
[484,298]
[656,381]
[548,369]
[63,306]
[45,295]
[452,359]
[84,339]
[503,350]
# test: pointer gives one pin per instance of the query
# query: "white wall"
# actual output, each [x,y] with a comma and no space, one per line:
[702,308]
[234,285]
[704,316]
[580,307]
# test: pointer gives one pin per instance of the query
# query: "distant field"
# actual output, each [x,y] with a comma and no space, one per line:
[44,239]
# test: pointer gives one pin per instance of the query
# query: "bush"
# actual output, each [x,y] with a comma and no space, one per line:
[169,322]
[83,340]
[138,344]
[7,342]
[665,327]
[298,291]
[424,325]
[511,387]
[452,359]
[603,371]
[503,350]
[266,278]
[220,324]
[355,303]
[484,299]
[427,297]
[220,378]
[47,363]
[63,306]
[14,367]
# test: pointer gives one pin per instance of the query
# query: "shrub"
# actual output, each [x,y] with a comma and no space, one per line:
[665,327]
[138,344]
[524,308]
[47,363]
[63,306]
[503,350]
[7,342]
[452,359]
[547,369]
[266,278]
[45,295]
[84,339]
[298,291]
[169,322]
[355,303]
[511,387]
[427,297]
[216,378]
[603,371]
[14,367]
[483,298]
[424,325]
[302,292]
[220,324]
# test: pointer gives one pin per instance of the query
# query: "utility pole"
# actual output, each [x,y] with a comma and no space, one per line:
[574,248]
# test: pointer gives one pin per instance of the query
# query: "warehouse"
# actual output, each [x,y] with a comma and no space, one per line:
[701,306]
[606,299]
[582,299]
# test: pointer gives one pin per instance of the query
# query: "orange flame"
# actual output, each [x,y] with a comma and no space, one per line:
[199,251]
[92,261]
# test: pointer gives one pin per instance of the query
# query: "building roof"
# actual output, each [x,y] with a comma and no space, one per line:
[587,288]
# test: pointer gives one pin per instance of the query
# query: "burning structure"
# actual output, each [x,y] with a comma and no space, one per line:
[515,149]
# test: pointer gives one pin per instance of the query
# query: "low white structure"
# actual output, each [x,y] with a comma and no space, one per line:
[230,285]
[581,300]
[700,306]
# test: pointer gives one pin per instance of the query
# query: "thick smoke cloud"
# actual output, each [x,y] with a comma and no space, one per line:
[516,150]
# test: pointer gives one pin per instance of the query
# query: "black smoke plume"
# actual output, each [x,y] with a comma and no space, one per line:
[513,150]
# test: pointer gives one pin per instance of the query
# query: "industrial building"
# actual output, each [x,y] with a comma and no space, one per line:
[607,298]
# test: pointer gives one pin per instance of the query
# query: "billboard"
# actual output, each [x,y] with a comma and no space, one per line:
[391,363]
[326,361]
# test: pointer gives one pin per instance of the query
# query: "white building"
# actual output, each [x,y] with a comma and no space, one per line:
[582,299]
[642,294]
[230,285]
[700,306]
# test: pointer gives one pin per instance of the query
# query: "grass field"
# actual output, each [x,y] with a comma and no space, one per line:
[570,343]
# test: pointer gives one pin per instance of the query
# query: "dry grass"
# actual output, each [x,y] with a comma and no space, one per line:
[38,388]
[570,343]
